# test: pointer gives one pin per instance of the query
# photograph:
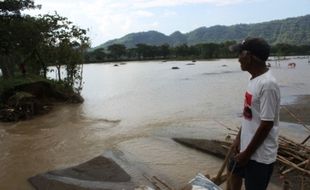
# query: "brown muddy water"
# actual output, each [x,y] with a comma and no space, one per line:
[137,108]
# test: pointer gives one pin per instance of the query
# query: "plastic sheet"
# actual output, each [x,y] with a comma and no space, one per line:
[200,182]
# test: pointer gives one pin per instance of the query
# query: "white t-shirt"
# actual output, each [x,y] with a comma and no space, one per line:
[262,102]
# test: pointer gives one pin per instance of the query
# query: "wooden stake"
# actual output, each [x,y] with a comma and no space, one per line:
[163,183]
[304,141]
[292,168]
[217,179]
[285,161]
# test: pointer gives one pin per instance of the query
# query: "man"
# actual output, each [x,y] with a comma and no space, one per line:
[256,144]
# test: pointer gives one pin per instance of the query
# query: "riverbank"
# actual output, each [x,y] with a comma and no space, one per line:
[87,175]
[23,97]
[297,111]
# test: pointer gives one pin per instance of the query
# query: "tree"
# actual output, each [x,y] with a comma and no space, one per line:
[141,50]
[17,34]
[117,50]
[99,54]
[164,50]
[182,50]
[145,51]
[14,7]
[40,42]
[132,53]
[64,45]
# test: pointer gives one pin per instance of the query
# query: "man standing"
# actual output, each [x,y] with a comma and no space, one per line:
[256,144]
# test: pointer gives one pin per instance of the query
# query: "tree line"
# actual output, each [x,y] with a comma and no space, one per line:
[33,43]
[119,52]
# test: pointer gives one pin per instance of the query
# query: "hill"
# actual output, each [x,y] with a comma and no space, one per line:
[295,31]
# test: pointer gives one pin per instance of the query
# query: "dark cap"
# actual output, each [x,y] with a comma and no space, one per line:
[257,46]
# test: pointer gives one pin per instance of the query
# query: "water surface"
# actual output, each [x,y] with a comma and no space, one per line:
[137,108]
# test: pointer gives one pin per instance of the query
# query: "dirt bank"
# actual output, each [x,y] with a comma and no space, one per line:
[23,101]
[298,110]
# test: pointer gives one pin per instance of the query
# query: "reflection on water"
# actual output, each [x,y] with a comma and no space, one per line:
[135,107]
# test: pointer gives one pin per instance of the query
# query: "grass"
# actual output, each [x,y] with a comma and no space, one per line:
[17,80]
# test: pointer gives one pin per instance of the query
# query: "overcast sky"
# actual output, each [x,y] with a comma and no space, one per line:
[110,19]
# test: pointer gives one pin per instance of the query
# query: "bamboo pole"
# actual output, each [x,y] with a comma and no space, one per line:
[306,139]
[285,161]
[284,139]
[292,154]
[227,127]
[302,183]
[292,168]
[163,183]
[295,152]
[153,182]
[217,179]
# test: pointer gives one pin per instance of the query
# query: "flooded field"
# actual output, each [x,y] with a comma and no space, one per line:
[137,108]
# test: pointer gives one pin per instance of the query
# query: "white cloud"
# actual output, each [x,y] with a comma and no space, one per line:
[170,3]
[154,25]
[168,13]
[109,19]
[143,13]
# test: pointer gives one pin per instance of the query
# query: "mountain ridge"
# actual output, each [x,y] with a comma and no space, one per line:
[293,30]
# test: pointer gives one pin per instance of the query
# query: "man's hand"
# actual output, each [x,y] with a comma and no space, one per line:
[236,146]
[260,135]
[242,158]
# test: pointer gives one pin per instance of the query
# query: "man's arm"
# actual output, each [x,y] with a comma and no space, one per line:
[236,143]
[262,132]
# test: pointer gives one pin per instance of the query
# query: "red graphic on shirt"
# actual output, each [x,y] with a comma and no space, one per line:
[247,112]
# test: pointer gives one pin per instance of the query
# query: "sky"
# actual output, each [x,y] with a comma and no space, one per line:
[111,19]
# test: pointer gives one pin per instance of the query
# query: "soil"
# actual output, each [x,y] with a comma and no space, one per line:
[24,101]
[300,108]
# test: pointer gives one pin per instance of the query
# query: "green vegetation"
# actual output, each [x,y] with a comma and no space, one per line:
[28,47]
[31,44]
[288,37]
[119,52]
[294,31]
[8,87]
[23,96]
[19,80]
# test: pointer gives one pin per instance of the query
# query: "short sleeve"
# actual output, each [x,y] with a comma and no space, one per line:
[269,102]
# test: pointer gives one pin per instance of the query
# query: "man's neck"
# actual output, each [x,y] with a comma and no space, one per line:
[258,71]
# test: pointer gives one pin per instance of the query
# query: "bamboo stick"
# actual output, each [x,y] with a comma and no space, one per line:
[219,174]
[226,126]
[293,152]
[285,161]
[306,139]
[298,152]
[307,167]
[282,138]
[163,183]
[302,184]
[226,147]
[152,181]
[222,179]
[292,168]
[293,155]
